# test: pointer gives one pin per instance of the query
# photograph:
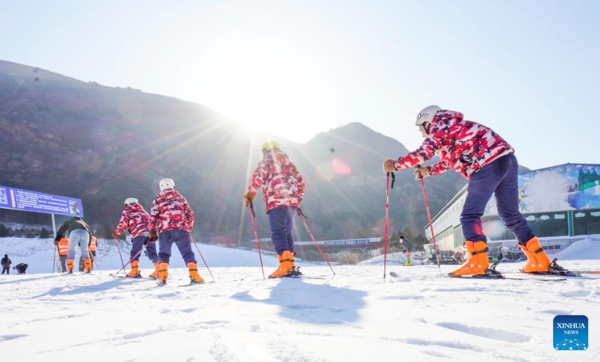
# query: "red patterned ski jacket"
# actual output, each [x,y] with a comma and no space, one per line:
[281,182]
[134,218]
[170,211]
[464,146]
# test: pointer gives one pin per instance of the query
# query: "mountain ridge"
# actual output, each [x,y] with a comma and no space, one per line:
[102,144]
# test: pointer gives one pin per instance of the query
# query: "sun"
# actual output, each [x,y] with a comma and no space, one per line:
[265,90]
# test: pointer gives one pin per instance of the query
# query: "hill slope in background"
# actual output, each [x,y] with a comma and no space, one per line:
[101,144]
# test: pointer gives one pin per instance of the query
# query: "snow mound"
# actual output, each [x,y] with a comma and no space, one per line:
[585,249]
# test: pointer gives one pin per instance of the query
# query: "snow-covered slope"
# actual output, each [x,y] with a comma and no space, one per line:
[422,316]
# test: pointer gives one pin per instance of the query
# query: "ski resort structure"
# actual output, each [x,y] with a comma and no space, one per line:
[561,203]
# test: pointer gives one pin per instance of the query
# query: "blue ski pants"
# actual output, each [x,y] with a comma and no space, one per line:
[498,178]
[281,221]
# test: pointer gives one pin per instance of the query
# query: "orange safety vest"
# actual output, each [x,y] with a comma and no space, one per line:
[93,244]
[63,246]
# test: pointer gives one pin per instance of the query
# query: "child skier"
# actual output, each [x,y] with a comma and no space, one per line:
[79,234]
[173,218]
[283,191]
[409,248]
[488,162]
[137,221]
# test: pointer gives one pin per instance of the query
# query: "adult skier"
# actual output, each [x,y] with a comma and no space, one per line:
[484,158]
[6,264]
[283,191]
[171,221]
[409,248]
[137,221]
[63,249]
[79,234]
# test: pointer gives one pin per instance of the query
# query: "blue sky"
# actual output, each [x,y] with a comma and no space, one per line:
[528,69]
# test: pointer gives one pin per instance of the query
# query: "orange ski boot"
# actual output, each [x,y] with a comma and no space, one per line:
[135,271]
[70,266]
[286,261]
[195,278]
[478,261]
[88,266]
[537,260]
[163,273]
[155,274]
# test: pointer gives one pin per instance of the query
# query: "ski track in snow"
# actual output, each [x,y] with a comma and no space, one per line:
[422,315]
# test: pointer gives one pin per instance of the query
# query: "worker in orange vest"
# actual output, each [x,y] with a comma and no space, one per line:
[63,249]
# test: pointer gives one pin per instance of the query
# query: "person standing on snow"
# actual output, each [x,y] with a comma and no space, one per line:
[283,191]
[137,221]
[79,234]
[484,158]
[6,264]
[409,248]
[63,249]
[173,218]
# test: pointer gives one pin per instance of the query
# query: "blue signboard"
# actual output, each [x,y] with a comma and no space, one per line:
[23,200]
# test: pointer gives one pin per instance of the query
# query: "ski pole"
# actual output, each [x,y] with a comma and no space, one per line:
[121,255]
[256,236]
[302,216]
[199,252]
[130,260]
[54,260]
[387,207]
[430,225]
[94,261]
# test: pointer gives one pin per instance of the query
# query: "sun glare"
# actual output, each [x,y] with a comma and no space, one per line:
[264,90]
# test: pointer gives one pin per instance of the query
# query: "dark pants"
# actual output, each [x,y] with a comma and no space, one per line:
[281,220]
[6,269]
[136,245]
[181,238]
[498,178]
[21,269]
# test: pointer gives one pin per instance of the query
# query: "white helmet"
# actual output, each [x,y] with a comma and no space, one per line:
[131,200]
[166,183]
[426,115]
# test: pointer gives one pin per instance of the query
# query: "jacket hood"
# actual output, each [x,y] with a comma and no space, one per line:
[278,156]
[446,115]
[169,194]
[134,207]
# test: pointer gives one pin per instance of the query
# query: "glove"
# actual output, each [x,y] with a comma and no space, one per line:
[153,236]
[388,166]
[248,197]
[55,242]
[422,172]
[115,235]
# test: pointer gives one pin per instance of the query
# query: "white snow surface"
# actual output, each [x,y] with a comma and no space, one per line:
[422,315]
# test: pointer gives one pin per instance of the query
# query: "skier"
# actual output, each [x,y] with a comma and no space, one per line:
[63,249]
[79,234]
[488,162]
[21,268]
[135,219]
[283,191]
[409,248]
[6,264]
[171,221]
